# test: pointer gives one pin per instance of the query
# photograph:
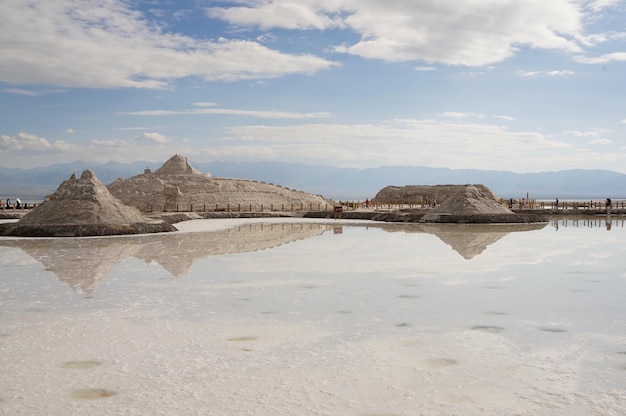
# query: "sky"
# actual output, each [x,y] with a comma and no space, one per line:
[515,85]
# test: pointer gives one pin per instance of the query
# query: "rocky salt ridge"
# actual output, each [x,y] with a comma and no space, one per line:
[178,185]
[462,204]
[82,207]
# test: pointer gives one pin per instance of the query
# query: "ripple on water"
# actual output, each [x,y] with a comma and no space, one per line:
[555,330]
[488,328]
[91,394]
[496,313]
[79,365]
[244,338]
[408,296]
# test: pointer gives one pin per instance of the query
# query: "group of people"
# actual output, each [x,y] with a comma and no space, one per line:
[13,205]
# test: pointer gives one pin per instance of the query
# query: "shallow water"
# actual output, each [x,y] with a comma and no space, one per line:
[318,319]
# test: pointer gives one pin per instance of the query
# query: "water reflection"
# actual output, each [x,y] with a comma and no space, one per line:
[587,221]
[82,263]
[469,240]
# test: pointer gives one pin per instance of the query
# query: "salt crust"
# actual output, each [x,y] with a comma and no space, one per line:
[225,366]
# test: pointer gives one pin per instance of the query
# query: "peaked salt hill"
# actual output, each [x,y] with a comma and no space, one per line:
[177,184]
[82,207]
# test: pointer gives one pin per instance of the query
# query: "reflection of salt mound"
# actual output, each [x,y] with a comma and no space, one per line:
[84,263]
[83,206]
[469,240]
[472,199]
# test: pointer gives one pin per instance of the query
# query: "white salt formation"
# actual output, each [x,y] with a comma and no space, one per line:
[82,207]
[178,185]
[472,199]
[83,200]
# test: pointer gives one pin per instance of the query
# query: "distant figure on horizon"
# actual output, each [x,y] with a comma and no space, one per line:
[556,205]
[367,203]
[608,203]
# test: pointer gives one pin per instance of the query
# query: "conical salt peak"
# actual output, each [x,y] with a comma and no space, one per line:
[88,175]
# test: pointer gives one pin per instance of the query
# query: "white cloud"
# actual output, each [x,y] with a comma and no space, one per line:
[106,44]
[553,73]
[288,14]
[69,131]
[597,5]
[271,114]
[24,141]
[152,137]
[603,59]
[449,142]
[205,104]
[20,91]
[507,118]
[403,142]
[460,115]
[476,33]
[600,141]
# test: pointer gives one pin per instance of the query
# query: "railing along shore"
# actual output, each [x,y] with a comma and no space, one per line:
[531,204]
[236,207]
[390,205]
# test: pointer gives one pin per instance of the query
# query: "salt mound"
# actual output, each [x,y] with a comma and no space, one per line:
[176,185]
[472,199]
[80,207]
[82,201]
[178,165]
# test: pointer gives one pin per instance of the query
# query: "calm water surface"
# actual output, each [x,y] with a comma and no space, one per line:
[318,319]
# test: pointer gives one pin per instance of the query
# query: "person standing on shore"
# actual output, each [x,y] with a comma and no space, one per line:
[556,205]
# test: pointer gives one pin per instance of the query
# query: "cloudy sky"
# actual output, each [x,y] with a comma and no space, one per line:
[519,85]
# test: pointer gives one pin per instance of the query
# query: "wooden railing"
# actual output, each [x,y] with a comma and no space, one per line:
[236,207]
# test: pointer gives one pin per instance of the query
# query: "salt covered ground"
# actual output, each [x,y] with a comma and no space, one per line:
[345,319]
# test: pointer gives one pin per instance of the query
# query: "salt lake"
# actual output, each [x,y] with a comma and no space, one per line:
[294,317]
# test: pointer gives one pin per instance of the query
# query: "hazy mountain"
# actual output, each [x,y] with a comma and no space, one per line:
[338,183]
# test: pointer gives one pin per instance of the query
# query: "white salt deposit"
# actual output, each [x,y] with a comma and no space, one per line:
[333,324]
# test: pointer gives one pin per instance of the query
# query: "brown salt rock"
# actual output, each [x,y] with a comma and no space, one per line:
[81,207]
[178,186]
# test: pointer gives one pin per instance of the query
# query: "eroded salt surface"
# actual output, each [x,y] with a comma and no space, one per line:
[330,325]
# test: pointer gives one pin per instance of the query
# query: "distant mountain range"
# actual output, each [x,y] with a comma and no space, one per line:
[337,183]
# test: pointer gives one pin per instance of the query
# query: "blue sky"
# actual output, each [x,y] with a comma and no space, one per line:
[519,85]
